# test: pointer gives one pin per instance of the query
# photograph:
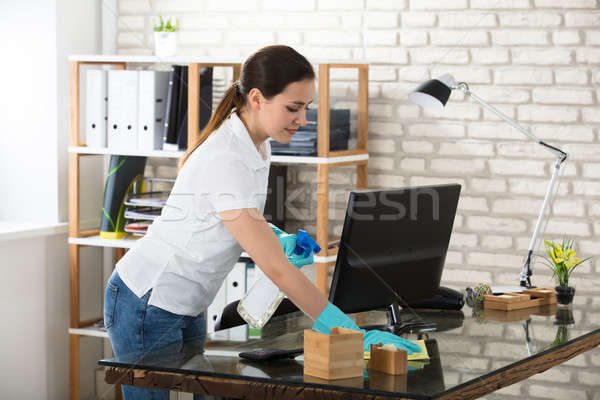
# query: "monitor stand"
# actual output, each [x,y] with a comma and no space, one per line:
[397,326]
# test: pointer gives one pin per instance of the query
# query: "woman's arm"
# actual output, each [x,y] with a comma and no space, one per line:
[252,232]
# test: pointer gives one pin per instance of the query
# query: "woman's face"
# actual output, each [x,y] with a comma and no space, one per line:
[283,114]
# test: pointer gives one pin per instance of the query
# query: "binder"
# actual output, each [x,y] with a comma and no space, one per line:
[96,107]
[152,100]
[122,110]
[216,308]
[205,107]
[182,107]
[236,289]
[170,127]
[236,283]
[232,289]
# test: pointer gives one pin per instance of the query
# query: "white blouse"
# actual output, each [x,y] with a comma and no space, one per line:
[187,252]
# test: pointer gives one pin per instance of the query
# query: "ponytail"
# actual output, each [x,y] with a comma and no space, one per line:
[270,70]
[233,100]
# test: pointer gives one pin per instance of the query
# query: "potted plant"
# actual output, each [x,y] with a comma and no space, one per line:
[562,336]
[563,260]
[563,319]
[165,37]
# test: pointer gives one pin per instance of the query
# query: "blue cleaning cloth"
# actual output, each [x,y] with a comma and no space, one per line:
[331,316]
[299,248]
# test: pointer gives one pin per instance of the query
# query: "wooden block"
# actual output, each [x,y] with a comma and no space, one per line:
[355,382]
[522,314]
[490,314]
[516,301]
[392,362]
[548,300]
[540,292]
[387,383]
[544,295]
[545,310]
[507,298]
[508,306]
[335,356]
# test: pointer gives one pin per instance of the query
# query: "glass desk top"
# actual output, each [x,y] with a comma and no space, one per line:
[470,348]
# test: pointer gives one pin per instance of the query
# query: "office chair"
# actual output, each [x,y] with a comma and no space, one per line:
[230,317]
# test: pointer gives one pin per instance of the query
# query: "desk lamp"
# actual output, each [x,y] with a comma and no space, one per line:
[435,93]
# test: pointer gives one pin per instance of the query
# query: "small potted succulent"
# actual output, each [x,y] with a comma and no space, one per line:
[563,260]
[165,37]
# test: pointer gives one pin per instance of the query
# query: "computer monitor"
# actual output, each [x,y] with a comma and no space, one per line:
[393,247]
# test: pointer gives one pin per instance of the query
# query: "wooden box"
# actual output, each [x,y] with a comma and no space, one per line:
[516,301]
[394,362]
[335,356]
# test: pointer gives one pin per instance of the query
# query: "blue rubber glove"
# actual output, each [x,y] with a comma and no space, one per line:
[288,243]
[276,230]
[331,316]
[300,261]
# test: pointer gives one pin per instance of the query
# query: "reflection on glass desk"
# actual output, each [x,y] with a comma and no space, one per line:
[470,355]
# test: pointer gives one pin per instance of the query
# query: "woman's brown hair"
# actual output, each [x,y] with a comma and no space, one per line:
[270,70]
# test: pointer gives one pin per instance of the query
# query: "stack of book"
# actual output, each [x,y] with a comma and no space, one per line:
[142,208]
[305,143]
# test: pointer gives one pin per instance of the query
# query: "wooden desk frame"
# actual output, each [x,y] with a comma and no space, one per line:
[252,389]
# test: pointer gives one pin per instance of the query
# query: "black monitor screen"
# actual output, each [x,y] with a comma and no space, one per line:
[393,241]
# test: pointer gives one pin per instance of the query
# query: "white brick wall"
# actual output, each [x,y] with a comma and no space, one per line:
[535,60]
[418,19]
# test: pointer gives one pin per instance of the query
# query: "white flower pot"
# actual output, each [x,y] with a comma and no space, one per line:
[165,44]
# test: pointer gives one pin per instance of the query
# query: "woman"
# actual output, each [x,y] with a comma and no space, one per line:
[161,286]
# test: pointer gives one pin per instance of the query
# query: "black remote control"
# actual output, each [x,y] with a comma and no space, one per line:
[270,354]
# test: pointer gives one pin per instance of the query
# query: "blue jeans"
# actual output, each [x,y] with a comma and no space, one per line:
[135,327]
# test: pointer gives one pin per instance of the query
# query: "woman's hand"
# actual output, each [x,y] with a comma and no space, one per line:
[289,242]
[333,316]
[376,337]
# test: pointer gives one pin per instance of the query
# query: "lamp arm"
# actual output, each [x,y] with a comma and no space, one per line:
[525,277]
[465,89]
[528,341]
[561,157]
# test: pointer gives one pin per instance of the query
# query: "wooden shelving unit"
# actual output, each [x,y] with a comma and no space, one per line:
[178,154]
[324,161]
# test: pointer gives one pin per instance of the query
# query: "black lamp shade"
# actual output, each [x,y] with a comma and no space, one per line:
[431,94]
